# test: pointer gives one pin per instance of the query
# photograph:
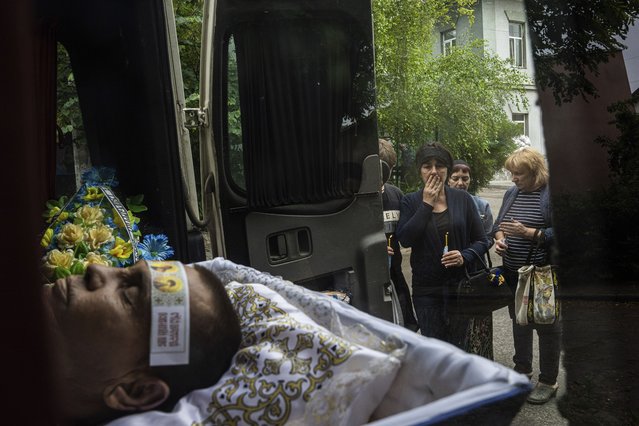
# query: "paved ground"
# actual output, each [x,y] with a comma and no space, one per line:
[530,415]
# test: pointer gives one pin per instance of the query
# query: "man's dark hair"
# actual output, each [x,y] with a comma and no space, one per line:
[214,340]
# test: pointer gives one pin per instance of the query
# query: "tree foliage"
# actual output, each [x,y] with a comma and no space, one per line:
[572,37]
[68,117]
[402,31]
[465,96]
[623,152]
[458,99]
[188,24]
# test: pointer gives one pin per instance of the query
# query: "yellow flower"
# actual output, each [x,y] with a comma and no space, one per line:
[93,193]
[90,215]
[98,236]
[118,220]
[56,258]
[122,249]
[63,216]
[96,259]
[70,235]
[60,258]
[46,238]
[54,212]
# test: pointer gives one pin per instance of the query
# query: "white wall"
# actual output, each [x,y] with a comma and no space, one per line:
[631,56]
[491,24]
[496,16]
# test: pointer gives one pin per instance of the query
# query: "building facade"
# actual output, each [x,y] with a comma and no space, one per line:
[502,24]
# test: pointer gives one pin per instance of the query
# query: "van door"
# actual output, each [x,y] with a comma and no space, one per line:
[289,90]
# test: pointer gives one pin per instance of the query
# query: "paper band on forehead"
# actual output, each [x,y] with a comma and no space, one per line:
[170,314]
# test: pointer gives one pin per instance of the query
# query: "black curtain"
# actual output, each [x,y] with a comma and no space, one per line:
[45,86]
[295,96]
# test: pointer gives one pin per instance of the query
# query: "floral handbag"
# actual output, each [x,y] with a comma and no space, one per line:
[536,299]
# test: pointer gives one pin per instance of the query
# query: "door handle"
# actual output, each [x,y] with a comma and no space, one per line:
[292,244]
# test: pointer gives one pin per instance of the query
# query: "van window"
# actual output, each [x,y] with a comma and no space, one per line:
[290,77]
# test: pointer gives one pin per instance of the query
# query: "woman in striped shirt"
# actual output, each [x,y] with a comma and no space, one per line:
[524,222]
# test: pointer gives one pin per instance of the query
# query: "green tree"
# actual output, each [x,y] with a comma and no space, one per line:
[68,117]
[457,99]
[188,24]
[464,101]
[402,30]
[623,152]
[570,38]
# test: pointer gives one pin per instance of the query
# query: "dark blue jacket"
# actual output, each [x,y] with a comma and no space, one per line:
[416,229]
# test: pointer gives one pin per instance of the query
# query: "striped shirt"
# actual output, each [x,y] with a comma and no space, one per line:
[525,209]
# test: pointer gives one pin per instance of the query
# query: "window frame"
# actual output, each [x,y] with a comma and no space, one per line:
[523,120]
[447,44]
[517,41]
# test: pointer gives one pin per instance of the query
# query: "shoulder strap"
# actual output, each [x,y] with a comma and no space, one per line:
[533,247]
[481,260]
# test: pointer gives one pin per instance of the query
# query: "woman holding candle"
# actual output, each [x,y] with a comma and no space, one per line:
[442,227]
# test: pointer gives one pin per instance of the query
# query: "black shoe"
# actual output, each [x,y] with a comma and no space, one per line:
[542,393]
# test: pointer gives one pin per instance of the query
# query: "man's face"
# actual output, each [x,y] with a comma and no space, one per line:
[460,180]
[98,329]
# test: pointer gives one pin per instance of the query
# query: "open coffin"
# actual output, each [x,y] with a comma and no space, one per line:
[393,376]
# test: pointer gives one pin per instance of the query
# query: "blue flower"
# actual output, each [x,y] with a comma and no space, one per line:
[497,278]
[155,247]
[108,221]
[100,176]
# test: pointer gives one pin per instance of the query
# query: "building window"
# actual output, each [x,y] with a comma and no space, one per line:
[516,41]
[522,122]
[449,40]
